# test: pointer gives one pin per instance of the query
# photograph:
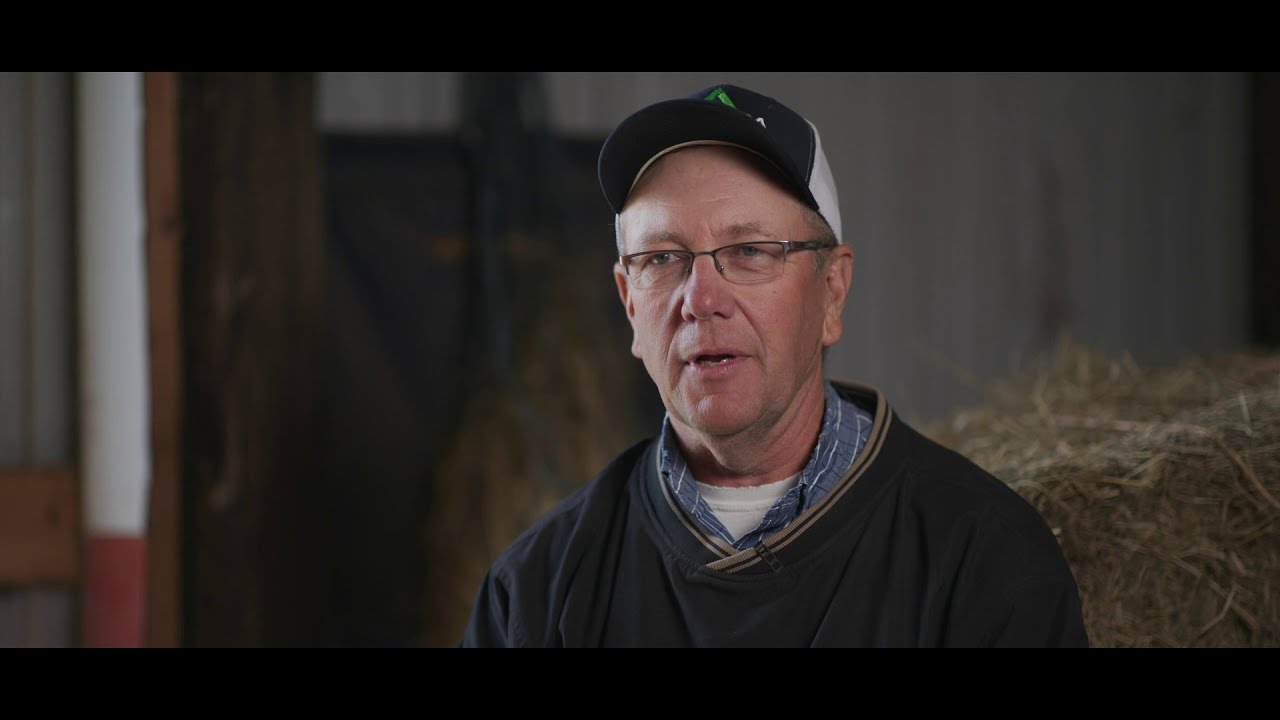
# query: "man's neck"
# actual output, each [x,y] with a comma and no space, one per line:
[757,455]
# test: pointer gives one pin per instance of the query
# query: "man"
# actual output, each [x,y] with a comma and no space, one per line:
[774,507]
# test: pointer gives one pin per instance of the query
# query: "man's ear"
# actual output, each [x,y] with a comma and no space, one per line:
[837,277]
[624,294]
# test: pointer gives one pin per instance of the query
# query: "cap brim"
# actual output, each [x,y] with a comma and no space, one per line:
[659,127]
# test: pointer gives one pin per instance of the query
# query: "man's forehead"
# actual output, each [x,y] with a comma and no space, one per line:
[729,232]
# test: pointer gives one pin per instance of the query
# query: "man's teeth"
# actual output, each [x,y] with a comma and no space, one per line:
[716,360]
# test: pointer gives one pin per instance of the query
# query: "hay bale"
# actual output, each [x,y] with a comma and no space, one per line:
[1161,484]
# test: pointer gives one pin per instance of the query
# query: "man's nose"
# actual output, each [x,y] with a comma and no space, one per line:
[706,292]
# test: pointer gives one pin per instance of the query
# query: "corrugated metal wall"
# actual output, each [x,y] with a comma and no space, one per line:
[988,211]
[36,316]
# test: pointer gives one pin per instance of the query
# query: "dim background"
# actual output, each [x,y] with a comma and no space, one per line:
[381,332]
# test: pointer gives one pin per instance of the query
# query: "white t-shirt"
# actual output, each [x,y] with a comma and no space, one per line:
[742,508]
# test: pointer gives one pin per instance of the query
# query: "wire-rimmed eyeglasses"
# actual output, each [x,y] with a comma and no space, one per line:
[741,263]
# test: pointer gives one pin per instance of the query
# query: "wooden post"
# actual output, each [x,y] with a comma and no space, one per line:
[253,307]
[164,257]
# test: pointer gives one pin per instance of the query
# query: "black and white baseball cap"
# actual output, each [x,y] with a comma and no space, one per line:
[721,115]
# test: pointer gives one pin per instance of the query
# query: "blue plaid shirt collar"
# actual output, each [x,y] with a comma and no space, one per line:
[845,430]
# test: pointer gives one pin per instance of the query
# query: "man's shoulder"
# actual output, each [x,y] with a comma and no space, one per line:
[965,506]
[944,486]
[577,516]
[995,542]
[954,479]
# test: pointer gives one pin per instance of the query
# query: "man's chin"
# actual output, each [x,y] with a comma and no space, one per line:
[718,415]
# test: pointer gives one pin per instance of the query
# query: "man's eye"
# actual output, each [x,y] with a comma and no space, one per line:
[753,252]
[661,258]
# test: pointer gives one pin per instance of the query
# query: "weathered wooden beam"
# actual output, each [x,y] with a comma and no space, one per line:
[164,258]
[39,526]
[253,327]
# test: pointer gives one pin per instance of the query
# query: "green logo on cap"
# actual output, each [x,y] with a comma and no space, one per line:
[722,96]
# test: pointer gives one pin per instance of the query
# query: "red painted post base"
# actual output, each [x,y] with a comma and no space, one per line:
[114,592]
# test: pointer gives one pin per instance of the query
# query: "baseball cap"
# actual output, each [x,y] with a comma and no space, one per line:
[721,115]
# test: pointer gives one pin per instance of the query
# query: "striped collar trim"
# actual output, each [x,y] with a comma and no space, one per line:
[765,550]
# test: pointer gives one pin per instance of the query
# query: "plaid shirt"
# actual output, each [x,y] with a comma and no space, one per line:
[845,429]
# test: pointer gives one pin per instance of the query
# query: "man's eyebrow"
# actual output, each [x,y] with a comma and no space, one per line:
[658,238]
[738,231]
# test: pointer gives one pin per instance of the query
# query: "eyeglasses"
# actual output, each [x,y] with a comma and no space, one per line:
[741,263]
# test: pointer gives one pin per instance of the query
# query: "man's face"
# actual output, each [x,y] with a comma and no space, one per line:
[728,358]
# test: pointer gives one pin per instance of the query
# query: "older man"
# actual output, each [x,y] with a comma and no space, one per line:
[774,507]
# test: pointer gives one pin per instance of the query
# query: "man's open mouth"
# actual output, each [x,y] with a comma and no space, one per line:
[712,360]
